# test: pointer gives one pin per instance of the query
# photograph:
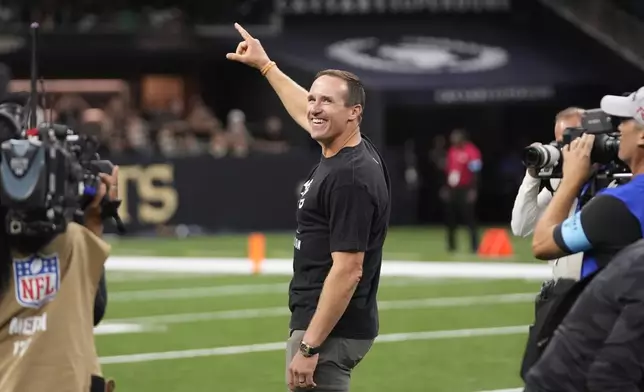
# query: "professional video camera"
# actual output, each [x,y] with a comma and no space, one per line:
[547,159]
[48,179]
[48,173]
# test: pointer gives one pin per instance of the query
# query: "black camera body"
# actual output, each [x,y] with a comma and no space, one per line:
[48,180]
[547,159]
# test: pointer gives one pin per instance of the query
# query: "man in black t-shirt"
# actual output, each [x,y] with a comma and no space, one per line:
[342,220]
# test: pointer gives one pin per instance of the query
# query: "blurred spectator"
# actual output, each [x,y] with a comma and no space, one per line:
[218,147]
[92,121]
[190,144]
[167,143]
[171,132]
[70,108]
[137,134]
[238,133]
[116,115]
[271,138]
[201,119]
[116,144]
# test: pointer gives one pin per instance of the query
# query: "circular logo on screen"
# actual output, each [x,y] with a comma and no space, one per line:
[418,55]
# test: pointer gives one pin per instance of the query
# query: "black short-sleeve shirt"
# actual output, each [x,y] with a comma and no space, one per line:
[344,206]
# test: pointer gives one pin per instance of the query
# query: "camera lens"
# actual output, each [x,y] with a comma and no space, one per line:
[532,157]
[15,227]
[538,157]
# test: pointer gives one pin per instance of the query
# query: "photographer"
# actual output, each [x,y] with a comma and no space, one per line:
[529,205]
[530,202]
[611,221]
[47,292]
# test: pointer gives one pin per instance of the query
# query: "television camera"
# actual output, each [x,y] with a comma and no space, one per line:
[49,174]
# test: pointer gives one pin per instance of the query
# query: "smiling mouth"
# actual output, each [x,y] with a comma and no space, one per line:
[318,121]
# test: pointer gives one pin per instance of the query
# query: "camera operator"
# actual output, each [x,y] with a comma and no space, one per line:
[13,109]
[47,292]
[611,221]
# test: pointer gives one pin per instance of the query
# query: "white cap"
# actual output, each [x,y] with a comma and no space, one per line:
[631,106]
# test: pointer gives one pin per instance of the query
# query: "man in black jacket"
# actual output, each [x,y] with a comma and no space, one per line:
[599,346]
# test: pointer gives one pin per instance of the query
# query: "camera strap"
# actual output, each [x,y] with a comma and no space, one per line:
[545,183]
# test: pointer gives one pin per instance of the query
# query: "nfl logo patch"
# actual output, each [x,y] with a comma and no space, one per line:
[37,280]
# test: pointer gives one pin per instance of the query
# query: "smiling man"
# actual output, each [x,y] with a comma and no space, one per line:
[342,220]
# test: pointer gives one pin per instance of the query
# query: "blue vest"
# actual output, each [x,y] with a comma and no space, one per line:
[632,195]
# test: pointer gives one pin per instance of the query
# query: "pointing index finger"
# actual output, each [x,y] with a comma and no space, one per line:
[245,34]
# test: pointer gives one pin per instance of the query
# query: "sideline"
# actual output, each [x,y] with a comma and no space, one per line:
[438,269]
[278,346]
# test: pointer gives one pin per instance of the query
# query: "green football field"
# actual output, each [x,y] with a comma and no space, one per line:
[183,332]
[417,244]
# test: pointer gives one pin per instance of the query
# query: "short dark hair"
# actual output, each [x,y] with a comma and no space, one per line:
[356,94]
[461,132]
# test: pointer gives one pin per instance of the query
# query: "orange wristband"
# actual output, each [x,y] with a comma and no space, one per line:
[267,67]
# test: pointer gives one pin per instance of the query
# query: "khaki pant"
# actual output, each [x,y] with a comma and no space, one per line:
[338,357]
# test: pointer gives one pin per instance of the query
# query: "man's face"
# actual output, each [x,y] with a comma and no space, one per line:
[631,140]
[456,138]
[566,122]
[327,112]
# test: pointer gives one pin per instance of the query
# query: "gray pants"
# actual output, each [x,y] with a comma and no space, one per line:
[338,357]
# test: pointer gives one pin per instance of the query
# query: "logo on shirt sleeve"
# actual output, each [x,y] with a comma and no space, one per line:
[37,280]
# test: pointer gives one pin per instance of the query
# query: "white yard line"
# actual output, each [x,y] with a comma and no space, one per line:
[241,289]
[437,269]
[283,310]
[505,390]
[125,276]
[278,346]
[126,328]
[197,292]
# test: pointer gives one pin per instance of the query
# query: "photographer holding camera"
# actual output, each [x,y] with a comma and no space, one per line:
[529,205]
[608,223]
[530,202]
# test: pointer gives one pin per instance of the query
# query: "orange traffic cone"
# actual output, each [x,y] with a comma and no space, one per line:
[495,243]
[256,250]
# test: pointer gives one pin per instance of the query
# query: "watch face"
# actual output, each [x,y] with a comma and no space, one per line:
[305,349]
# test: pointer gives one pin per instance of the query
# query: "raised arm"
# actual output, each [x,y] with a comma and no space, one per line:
[293,96]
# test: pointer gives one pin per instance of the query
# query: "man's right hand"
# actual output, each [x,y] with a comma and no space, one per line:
[108,186]
[249,51]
